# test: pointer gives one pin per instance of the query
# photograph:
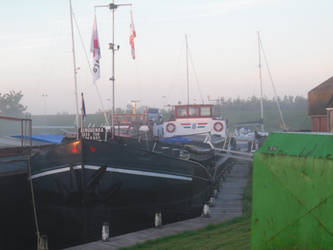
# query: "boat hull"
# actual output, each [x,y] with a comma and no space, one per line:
[17,229]
[81,185]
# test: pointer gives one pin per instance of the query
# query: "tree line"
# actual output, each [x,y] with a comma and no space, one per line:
[10,104]
[294,110]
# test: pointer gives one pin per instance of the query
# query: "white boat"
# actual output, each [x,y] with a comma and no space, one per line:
[192,119]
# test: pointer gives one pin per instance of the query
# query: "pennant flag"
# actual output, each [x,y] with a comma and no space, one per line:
[132,36]
[83,108]
[95,50]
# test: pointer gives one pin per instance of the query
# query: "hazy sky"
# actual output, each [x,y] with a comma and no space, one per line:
[35,46]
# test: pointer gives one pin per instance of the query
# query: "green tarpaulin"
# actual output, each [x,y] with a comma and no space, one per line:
[292,203]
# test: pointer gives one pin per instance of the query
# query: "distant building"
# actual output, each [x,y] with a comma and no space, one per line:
[320,100]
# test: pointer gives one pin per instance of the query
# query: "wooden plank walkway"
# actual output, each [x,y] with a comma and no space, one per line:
[228,206]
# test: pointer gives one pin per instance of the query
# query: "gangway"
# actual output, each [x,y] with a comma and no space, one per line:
[227,151]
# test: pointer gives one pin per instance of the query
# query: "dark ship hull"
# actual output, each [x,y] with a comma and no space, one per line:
[198,150]
[17,230]
[181,147]
[81,185]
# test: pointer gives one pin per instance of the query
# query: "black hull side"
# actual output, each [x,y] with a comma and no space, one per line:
[199,151]
[115,183]
[17,228]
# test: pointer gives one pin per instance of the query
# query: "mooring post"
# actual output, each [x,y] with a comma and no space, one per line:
[206,211]
[105,231]
[212,202]
[43,243]
[158,219]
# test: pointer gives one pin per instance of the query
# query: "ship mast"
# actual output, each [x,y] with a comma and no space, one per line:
[75,73]
[187,73]
[260,79]
[112,6]
[276,98]
[113,76]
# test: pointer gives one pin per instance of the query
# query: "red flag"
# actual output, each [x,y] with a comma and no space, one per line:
[132,36]
[94,48]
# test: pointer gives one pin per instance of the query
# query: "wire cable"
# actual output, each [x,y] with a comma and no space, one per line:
[273,85]
[195,75]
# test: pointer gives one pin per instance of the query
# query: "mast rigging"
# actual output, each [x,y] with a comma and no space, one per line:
[276,98]
[260,79]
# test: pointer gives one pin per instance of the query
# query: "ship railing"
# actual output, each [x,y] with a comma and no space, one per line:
[14,125]
[227,150]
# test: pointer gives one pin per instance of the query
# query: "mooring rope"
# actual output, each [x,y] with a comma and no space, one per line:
[33,202]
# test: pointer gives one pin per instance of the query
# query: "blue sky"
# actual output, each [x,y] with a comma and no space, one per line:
[36,47]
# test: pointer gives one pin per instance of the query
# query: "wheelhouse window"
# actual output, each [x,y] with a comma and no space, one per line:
[182,112]
[205,111]
[193,111]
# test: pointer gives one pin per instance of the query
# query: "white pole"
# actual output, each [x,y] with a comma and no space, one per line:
[187,73]
[113,76]
[260,79]
[75,72]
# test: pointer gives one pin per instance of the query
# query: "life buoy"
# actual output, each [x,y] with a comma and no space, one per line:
[170,127]
[218,126]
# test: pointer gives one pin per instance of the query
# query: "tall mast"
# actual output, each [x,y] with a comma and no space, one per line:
[187,73]
[113,73]
[260,79]
[75,72]
[112,6]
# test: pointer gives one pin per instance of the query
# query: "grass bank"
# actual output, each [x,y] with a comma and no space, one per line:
[234,234]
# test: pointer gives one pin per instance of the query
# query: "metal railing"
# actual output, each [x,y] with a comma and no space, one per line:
[25,127]
[226,149]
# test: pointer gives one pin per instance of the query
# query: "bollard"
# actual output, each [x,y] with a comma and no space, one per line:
[105,231]
[212,202]
[158,219]
[206,211]
[42,243]
[215,193]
